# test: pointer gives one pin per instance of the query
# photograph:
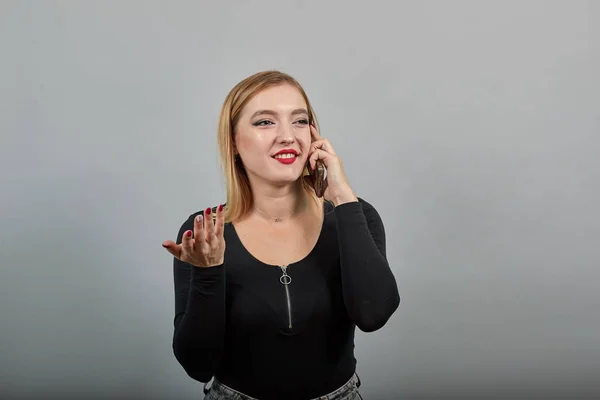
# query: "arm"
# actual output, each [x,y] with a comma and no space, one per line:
[369,287]
[199,315]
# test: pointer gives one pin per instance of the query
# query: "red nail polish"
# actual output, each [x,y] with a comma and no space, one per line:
[220,207]
[207,212]
[188,233]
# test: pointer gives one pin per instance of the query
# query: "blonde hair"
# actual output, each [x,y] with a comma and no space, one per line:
[239,194]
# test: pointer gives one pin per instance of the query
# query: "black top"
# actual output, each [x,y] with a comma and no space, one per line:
[271,340]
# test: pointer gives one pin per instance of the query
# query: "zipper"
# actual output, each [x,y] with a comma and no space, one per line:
[285,280]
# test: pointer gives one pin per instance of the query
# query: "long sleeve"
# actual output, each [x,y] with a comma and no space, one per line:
[199,315]
[369,287]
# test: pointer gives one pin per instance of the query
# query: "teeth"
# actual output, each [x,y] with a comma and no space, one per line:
[286,155]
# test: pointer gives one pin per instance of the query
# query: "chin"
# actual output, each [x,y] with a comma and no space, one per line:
[286,179]
[277,175]
[283,179]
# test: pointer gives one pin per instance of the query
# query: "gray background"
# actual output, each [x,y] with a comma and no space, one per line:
[472,126]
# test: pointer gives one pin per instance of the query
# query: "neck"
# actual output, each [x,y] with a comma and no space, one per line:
[279,204]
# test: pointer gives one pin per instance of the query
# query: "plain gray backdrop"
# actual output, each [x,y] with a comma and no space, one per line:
[472,126]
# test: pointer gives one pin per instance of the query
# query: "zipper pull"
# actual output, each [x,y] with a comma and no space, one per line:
[285,278]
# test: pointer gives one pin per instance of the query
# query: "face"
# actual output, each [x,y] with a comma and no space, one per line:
[274,121]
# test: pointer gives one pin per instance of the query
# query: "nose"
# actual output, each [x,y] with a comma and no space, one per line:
[285,134]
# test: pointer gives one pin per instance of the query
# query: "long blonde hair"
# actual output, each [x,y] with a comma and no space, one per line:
[239,194]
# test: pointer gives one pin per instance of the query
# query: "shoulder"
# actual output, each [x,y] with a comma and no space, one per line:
[370,212]
[365,204]
[356,208]
[368,208]
[362,204]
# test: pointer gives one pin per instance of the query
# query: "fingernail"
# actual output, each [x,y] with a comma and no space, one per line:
[188,233]
[207,212]
[220,207]
[199,218]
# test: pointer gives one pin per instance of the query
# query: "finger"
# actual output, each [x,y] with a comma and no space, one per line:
[219,228]
[315,132]
[328,147]
[322,144]
[319,154]
[187,243]
[173,248]
[199,228]
[209,225]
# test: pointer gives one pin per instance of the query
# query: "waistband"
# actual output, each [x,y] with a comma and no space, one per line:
[222,389]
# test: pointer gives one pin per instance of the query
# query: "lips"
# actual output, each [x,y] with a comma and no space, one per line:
[286,151]
[286,156]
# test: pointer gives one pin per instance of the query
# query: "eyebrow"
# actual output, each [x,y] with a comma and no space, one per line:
[271,112]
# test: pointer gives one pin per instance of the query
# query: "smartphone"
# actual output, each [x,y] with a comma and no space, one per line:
[318,177]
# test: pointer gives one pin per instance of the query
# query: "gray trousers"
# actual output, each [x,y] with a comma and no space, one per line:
[219,391]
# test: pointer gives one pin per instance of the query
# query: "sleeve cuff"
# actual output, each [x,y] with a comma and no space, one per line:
[211,273]
[350,211]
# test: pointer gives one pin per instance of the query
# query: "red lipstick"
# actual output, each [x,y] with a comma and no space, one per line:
[286,151]
[286,159]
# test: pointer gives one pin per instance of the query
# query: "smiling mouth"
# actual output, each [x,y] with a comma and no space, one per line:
[285,156]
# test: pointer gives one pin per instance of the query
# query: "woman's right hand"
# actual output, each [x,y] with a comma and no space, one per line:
[205,246]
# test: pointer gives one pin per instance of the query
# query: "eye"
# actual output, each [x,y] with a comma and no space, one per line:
[262,122]
[303,121]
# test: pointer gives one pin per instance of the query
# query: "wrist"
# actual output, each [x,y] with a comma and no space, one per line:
[210,265]
[344,198]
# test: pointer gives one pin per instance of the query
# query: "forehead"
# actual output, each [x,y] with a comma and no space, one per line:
[282,98]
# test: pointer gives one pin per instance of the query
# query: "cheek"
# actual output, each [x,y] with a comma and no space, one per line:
[252,143]
[305,142]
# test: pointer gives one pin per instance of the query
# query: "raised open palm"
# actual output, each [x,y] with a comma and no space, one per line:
[205,245]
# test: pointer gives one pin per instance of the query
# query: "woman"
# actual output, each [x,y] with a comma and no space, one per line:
[270,288]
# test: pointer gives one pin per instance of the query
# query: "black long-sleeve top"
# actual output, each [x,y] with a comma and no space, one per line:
[239,322]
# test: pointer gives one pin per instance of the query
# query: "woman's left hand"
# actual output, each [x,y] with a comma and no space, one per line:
[338,189]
